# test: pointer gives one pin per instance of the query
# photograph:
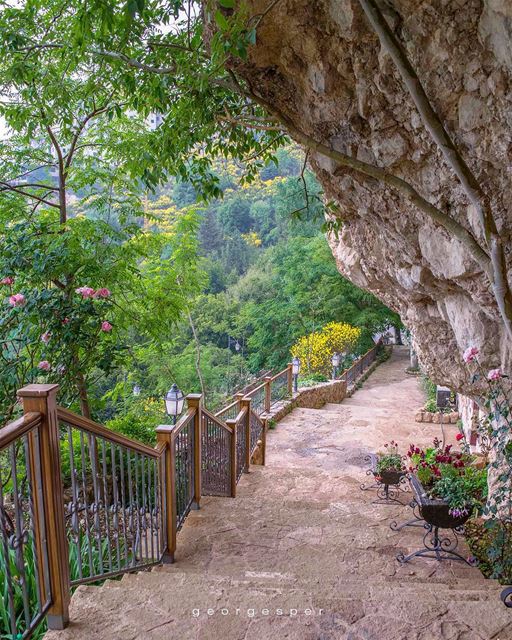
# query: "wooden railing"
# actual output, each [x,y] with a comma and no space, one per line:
[356,370]
[80,503]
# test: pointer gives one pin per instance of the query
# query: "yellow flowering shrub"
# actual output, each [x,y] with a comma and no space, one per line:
[316,349]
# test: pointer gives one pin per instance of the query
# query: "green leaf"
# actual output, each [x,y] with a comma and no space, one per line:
[221,21]
[227,4]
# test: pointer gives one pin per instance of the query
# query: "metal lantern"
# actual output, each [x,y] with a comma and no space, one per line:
[136,390]
[174,399]
[335,364]
[295,373]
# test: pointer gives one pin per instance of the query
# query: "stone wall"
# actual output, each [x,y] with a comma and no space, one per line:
[470,415]
[311,398]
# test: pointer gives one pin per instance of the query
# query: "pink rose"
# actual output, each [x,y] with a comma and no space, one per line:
[470,354]
[66,321]
[106,326]
[17,300]
[102,293]
[44,365]
[85,292]
[46,337]
[494,374]
[8,280]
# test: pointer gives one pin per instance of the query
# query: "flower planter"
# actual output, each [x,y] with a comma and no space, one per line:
[435,512]
[436,545]
[387,483]
[388,476]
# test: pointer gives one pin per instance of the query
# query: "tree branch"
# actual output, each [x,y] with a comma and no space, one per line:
[62,175]
[78,133]
[24,185]
[40,200]
[131,62]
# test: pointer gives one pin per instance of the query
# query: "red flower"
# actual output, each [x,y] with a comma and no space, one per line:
[459,437]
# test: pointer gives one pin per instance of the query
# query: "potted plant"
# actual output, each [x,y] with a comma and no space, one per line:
[388,465]
[446,486]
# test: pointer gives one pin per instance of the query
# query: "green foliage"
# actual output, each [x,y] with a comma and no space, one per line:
[461,491]
[311,379]
[58,334]
[429,388]
[390,459]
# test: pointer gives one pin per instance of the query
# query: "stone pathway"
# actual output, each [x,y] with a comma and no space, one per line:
[301,553]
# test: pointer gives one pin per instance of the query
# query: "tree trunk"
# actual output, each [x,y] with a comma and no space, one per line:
[82,394]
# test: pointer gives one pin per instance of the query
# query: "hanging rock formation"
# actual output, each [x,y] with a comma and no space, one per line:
[320,66]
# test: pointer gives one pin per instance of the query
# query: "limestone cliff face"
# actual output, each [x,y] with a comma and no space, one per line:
[320,65]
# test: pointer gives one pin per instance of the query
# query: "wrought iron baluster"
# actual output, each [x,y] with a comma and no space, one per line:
[124,506]
[156,498]
[138,539]
[73,508]
[144,507]
[5,544]
[31,525]
[106,504]
[20,536]
[86,505]
[115,504]
[97,504]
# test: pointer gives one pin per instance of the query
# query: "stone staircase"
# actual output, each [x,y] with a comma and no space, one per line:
[301,553]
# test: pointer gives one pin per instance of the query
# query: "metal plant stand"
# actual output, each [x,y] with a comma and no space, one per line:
[417,521]
[436,546]
[389,487]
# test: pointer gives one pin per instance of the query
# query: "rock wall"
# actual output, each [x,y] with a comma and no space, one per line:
[311,398]
[320,65]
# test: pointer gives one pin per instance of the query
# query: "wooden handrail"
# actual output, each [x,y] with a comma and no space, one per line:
[241,415]
[219,421]
[280,374]
[90,426]
[226,408]
[183,421]
[18,428]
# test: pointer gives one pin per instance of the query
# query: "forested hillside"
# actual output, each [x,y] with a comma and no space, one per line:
[270,278]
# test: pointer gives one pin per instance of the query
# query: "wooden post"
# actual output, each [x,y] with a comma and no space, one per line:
[246,403]
[168,476]
[268,393]
[290,379]
[194,401]
[232,426]
[42,398]
[238,397]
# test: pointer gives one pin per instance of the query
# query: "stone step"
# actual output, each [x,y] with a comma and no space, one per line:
[194,608]
[409,583]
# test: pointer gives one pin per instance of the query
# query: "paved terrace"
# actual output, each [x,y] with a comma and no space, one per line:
[301,553]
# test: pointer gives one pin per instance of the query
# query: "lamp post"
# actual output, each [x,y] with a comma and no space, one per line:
[174,399]
[295,373]
[335,364]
